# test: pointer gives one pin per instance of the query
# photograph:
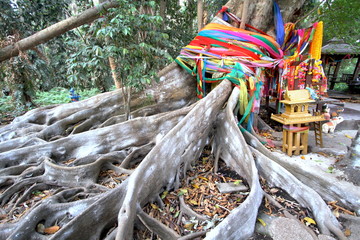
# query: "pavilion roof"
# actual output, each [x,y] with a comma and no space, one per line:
[339,47]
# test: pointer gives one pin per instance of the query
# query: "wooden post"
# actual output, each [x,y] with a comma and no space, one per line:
[244,14]
[298,142]
[290,141]
[285,140]
[357,69]
[336,72]
[305,141]
[200,14]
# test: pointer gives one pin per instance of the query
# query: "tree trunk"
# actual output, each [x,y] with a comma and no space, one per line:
[67,167]
[200,14]
[162,13]
[112,63]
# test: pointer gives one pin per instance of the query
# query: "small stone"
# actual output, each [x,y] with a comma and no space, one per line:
[288,229]
[231,187]
[325,237]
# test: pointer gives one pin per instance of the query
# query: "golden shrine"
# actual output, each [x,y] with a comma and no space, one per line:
[295,120]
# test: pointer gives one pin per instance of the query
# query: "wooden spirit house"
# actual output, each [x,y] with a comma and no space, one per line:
[295,121]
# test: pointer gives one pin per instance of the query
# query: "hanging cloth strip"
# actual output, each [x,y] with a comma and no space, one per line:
[279,25]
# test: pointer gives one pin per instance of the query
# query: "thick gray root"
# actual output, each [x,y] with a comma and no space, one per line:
[156,226]
[93,151]
[58,209]
[182,144]
[236,153]
[326,185]
[52,122]
[306,196]
[131,133]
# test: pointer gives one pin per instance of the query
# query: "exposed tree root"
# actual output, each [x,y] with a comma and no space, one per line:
[307,197]
[48,212]
[61,120]
[185,209]
[288,215]
[326,185]
[159,174]
[236,154]
[156,227]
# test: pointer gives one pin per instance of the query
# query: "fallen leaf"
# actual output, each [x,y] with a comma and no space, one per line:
[182,191]
[189,226]
[51,230]
[40,228]
[163,195]
[310,220]
[274,190]
[193,202]
[347,232]
[323,154]
[177,214]
[348,136]
[195,185]
[262,222]
[154,206]
[203,178]
[237,182]
[330,170]
[302,157]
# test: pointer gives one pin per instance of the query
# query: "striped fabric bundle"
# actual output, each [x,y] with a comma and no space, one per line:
[234,52]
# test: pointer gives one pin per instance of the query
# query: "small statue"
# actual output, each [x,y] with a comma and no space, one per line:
[313,94]
[331,125]
[326,111]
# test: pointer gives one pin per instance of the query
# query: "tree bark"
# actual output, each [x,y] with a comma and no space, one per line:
[200,14]
[162,13]
[112,63]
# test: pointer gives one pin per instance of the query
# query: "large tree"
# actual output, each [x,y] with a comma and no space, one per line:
[94,171]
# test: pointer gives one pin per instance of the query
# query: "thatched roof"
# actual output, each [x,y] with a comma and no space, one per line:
[339,47]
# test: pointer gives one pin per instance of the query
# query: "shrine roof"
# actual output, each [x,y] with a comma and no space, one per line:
[338,47]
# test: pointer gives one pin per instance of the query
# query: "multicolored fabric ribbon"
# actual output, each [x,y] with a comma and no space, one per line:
[234,52]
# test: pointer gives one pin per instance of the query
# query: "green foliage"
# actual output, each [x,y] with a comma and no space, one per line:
[342,87]
[131,35]
[340,20]
[9,109]
[56,95]
[6,105]
[41,66]
[61,95]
